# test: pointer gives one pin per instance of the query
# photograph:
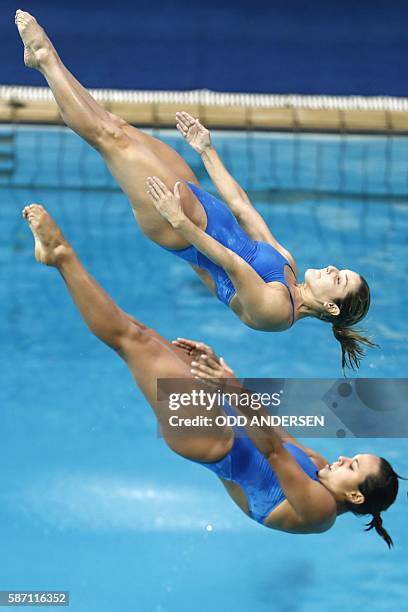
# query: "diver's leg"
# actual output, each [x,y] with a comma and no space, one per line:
[171,158]
[148,355]
[130,155]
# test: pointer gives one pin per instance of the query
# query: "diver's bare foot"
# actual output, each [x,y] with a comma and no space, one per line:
[37,45]
[50,245]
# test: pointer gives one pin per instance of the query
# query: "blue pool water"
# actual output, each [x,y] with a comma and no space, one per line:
[91,500]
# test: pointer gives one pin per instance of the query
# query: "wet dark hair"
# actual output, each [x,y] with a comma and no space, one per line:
[380,491]
[353,308]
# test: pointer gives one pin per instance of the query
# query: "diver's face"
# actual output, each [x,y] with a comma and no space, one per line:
[331,284]
[344,476]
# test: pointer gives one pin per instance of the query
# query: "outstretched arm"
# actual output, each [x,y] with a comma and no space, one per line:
[199,138]
[262,307]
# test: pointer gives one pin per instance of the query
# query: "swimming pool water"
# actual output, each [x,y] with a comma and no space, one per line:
[91,500]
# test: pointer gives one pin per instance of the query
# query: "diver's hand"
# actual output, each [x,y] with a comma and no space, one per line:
[166,202]
[206,367]
[193,348]
[205,363]
[193,131]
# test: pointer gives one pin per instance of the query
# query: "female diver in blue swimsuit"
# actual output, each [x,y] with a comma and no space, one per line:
[230,246]
[273,478]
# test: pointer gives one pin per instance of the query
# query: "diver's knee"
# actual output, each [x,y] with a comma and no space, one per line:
[132,338]
[117,120]
[111,135]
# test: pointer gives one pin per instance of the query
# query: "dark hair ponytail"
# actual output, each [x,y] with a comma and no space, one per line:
[377,524]
[351,341]
[380,491]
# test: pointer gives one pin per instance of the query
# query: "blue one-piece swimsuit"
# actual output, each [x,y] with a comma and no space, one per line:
[223,227]
[246,466]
